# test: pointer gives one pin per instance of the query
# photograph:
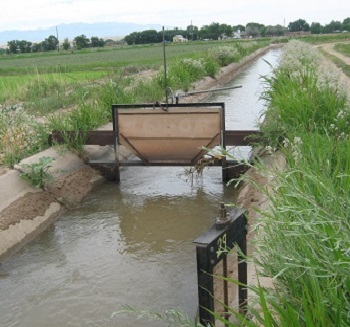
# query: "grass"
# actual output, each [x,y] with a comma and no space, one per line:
[304,245]
[324,38]
[343,49]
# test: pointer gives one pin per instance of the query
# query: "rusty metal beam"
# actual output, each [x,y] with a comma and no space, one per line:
[92,137]
[232,138]
[239,138]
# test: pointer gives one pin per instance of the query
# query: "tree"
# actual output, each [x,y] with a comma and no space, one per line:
[81,42]
[12,46]
[299,25]
[255,29]
[36,47]
[346,24]
[96,42]
[225,29]
[149,36]
[50,43]
[333,26]
[241,28]
[66,44]
[215,30]
[131,38]
[276,30]
[316,28]
[16,46]
[192,31]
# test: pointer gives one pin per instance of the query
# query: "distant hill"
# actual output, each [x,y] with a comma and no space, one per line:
[70,31]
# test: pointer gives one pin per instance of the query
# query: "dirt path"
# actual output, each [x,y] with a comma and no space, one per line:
[329,48]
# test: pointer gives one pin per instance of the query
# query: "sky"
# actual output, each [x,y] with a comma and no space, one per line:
[36,14]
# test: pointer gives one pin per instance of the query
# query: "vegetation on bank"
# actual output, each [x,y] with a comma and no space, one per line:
[304,242]
[31,108]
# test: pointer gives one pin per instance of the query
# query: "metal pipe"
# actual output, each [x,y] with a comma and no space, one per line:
[165,73]
[213,90]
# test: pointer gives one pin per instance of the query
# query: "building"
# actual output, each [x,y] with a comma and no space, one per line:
[179,39]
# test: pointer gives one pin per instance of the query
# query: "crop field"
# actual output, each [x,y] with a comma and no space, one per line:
[100,59]
[19,71]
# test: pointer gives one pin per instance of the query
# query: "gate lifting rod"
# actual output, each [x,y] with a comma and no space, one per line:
[189,93]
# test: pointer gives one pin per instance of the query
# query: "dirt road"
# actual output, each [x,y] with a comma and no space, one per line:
[329,48]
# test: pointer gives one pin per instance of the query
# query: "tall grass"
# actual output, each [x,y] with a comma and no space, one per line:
[304,245]
[20,136]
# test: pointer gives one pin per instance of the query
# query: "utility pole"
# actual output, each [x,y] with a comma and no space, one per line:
[58,44]
[192,29]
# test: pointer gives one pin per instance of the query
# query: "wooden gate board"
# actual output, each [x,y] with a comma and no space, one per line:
[174,135]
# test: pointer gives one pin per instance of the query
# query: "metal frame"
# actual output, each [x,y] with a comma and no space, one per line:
[209,253]
[165,107]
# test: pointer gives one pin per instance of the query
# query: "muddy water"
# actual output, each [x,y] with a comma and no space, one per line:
[244,105]
[128,243]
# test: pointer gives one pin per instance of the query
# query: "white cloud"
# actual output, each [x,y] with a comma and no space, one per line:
[25,14]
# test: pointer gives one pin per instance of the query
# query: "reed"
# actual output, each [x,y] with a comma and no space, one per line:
[304,244]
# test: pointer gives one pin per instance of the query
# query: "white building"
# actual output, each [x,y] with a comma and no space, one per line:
[179,38]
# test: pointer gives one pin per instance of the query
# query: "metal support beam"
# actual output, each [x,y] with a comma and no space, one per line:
[232,138]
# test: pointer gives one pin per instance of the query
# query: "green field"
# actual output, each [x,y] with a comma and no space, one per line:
[100,59]
[19,72]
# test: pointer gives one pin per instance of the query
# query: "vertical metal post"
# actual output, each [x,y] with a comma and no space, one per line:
[165,72]
[223,144]
[242,276]
[115,143]
[205,286]
[224,265]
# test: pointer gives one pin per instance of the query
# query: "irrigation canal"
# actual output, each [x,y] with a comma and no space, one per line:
[128,243]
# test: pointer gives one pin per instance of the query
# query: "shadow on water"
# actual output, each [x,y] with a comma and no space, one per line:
[128,243]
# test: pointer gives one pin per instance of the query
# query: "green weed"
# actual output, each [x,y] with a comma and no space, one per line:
[37,174]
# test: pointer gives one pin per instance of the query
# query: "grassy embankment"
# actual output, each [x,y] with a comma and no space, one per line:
[88,83]
[304,243]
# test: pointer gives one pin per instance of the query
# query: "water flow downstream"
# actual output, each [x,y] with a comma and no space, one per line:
[128,243]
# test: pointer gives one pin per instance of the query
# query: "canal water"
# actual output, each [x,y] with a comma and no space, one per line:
[128,243]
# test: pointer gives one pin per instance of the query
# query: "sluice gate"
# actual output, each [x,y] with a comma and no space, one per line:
[177,135]
[165,135]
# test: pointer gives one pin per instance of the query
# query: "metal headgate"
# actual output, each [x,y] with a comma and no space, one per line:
[211,249]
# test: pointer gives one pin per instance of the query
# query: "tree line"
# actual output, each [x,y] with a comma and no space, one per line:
[214,31]
[52,43]
[316,28]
